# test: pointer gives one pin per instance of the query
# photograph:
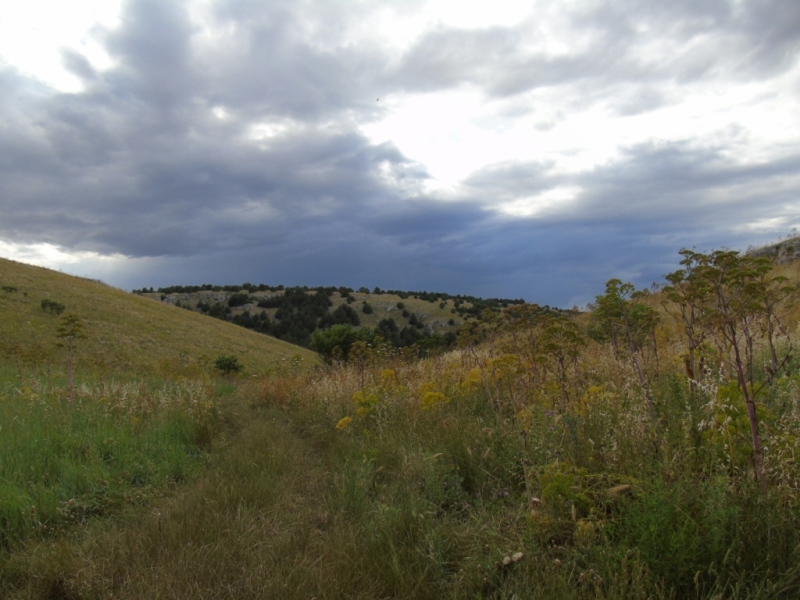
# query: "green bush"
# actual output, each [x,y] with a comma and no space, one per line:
[52,306]
[228,364]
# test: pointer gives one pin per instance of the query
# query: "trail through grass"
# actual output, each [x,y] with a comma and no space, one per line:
[412,504]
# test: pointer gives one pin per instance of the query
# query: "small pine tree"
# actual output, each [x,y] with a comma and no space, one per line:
[228,364]
[70,331]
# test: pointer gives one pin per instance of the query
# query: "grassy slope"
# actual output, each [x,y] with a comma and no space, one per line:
[124,332]
[384,307]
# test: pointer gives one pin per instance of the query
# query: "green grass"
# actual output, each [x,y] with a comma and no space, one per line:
[414,503]
[441,480]
[115,444]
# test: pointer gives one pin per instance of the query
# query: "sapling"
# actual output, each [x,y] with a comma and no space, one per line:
[735,300]
[70,330]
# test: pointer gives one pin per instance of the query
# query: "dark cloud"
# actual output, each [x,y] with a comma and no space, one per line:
[77,64]
[230,149]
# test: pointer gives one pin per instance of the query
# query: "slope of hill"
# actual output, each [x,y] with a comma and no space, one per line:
[424,319]
[124,332]
[784,251]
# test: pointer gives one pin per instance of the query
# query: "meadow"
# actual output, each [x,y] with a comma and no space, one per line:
[606,454]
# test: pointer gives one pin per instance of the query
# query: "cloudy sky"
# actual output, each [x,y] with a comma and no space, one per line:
[523,149]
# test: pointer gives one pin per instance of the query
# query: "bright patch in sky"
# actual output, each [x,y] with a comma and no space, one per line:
[52,257]
[445,132]
[33,33]
[534,205]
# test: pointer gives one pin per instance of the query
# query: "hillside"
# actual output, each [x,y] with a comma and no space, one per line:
[782,252]
[424,320]
[124,332]
[635,450]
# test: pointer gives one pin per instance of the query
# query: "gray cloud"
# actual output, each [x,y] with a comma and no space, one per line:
[140,164]
[610,43]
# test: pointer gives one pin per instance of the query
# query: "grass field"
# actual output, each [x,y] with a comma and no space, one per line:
[486,472]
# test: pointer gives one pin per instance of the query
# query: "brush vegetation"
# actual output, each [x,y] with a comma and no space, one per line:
[420,321]
[624,452]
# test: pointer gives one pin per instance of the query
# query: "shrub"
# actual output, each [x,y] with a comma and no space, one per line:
[52,306]
[228,364]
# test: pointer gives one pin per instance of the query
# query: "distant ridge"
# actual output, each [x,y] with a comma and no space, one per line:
[784,251]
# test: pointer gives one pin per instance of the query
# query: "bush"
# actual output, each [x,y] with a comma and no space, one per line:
[228,364]
[239,299]
[53,307]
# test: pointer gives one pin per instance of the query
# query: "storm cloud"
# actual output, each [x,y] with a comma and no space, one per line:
[235,141]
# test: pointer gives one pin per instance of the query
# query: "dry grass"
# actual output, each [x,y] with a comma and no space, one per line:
[125,333]
[458,477]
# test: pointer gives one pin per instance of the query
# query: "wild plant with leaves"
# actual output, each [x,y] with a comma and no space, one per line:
[737,304]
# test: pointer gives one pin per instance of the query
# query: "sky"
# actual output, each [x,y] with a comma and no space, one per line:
[512,149]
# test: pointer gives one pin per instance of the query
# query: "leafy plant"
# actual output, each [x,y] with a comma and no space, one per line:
[734,301]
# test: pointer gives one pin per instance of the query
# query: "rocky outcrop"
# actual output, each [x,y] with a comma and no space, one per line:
[782,252]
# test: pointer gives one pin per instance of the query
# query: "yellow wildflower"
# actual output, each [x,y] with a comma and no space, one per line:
[431,399]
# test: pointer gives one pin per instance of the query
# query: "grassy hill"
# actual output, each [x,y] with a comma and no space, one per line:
[421,320]
[438,316]
[124,332]
[605,454]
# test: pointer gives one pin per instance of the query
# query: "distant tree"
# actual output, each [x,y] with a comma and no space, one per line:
[343,314]
[219,310]
[367,308]
[239,299]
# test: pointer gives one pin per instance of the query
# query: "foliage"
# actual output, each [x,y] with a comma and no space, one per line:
[296,312]
[52,306]
[228,364]
[342,315]
[239,299]
[735,302]
[336,342]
